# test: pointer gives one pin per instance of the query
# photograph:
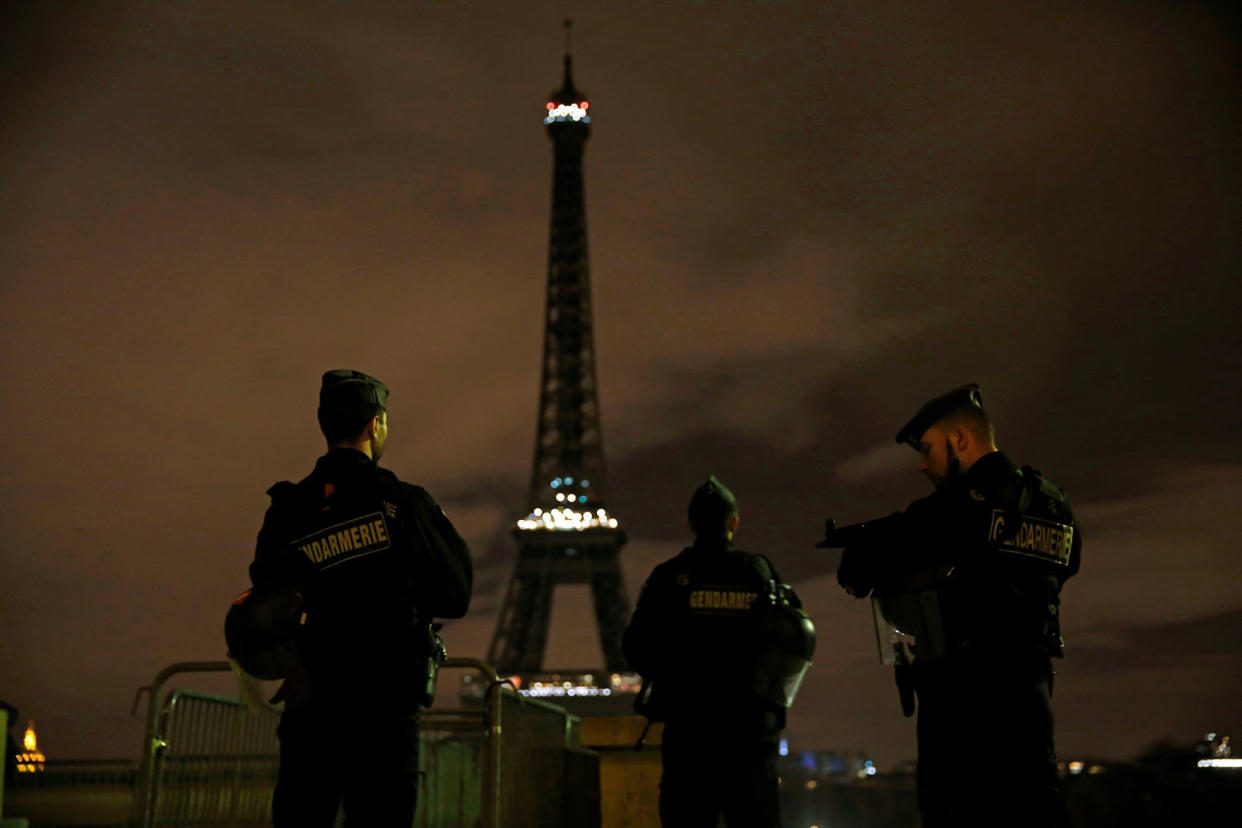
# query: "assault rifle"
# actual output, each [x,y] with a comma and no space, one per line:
[839,537]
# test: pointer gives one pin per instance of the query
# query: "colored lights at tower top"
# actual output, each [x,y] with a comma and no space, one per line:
[568,112]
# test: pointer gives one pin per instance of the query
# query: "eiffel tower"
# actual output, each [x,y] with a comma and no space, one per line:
[568,537]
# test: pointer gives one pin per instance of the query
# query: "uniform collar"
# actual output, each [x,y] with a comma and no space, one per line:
[712,545]
[988,468]
[343,460]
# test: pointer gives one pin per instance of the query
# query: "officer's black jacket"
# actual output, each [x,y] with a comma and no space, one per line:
[994,546]
[690,632]
[376,559]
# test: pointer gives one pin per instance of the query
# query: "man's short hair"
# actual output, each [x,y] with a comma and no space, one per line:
[712,509]
[339,424]
[348,400]
[973,419]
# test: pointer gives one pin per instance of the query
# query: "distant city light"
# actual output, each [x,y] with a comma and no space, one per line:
[784,748]
[31,760]
[1220,763]
[583,684]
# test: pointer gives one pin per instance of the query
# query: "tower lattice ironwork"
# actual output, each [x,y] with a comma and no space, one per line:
[568,537]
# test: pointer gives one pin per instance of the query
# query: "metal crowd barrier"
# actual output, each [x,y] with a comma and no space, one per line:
[211,761]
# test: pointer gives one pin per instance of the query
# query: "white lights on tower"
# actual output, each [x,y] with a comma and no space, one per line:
[567,519]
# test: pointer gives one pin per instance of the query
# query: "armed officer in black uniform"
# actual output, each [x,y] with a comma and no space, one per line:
[375,560]
[969,578]
[689,638]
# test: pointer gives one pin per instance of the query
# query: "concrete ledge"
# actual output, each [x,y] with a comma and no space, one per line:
[606,732]
[629,779]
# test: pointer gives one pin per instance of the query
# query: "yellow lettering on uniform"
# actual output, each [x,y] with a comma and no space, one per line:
[365,532]
[331,539]
[353,537]
[318,550]
[378,528]
[344,541]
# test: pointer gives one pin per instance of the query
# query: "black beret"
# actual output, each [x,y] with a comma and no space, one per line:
[968,396]
[349,389]
[712,500]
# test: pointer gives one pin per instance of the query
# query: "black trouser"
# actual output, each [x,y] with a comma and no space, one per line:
[986,754]
[720,766]
[367,759]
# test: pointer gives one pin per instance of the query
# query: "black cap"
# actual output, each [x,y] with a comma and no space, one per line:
[711,507]
[351,389]
[968,396]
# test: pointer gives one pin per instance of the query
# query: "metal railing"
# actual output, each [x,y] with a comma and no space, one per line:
[210,760]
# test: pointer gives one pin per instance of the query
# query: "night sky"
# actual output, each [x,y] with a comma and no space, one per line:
[805,219]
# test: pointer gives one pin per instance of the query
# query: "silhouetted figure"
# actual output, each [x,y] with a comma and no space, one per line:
[966,583]
[375,559]
[698,640]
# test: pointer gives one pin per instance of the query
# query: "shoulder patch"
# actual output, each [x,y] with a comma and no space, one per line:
[721,599]
[1046,540]
[345,541]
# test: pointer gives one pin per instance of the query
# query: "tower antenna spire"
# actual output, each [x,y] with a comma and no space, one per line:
[569,59]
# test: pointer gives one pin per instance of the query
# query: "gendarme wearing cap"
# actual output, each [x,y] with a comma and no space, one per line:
[965,397]
[348,401]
